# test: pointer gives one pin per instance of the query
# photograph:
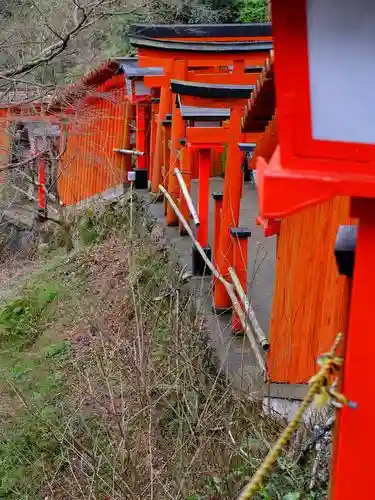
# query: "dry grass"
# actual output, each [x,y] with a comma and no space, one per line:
[138,409]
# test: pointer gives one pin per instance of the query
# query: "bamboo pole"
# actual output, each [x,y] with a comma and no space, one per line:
[128,152]
[228,286]
[187,196]
[249,311]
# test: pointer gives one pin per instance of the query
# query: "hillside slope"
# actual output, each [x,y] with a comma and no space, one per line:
[109,387]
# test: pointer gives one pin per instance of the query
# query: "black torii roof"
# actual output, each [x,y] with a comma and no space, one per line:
[208,47]
[209,90]
[201,30]
[247,147]
[253,69]
[129,66]
[203,114]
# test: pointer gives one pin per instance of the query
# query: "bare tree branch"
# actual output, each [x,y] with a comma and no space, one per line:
[26,82]
[50,52]
[23,163]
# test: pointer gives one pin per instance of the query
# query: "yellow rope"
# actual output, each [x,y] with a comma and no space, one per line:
[317,384]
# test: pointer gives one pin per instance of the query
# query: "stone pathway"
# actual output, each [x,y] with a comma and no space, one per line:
[234,353]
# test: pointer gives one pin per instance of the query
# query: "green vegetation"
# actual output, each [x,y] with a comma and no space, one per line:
[32,364]
[109,386]
[252,11]
[19,320]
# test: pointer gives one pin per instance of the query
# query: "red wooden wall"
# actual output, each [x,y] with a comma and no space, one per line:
[311,299]
[89,165]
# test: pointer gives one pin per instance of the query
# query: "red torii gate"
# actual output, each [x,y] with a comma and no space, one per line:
[205,95]
[208,109]
[300,327]
[225,104]
[327,148]
[140,101]
[202,120]
[28,113]
[177,58]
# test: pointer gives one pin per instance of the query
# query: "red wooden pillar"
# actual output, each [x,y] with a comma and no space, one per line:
[126,142]
[203,195]
[40,145]
[354,436]
[204,167]
[186,174]
[141,146]
[166,135]
[154,114]
[133,126]
[164,109]
[178,133]
[194,165]
[238,67]
[231,209]
[42,179]
[218,200]
[140,134]
[240,238]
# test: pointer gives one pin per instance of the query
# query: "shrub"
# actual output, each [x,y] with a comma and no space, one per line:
[252,11]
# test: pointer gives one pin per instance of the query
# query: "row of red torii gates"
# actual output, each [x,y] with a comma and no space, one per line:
[212,88]
[197,98]
[309,156]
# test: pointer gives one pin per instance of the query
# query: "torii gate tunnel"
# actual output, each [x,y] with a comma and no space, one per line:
[203,101]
